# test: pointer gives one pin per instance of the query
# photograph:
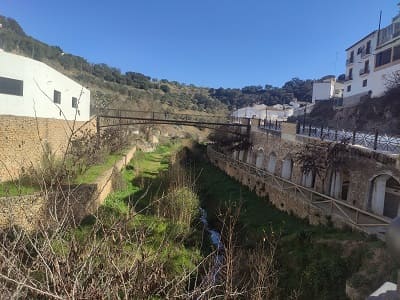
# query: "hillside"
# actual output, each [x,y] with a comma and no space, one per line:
[132,90]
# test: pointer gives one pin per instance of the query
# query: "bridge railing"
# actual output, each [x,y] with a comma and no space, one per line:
[350,214]
[161,116]
[375,141]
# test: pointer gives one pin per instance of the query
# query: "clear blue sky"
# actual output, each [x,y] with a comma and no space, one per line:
[229,43]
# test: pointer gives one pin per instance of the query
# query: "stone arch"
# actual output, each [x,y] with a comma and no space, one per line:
[259,158]
[384,195]
[287,167]
[249,155]
[235,154]
[338,184]
[271,163]
[241,155]
[308,179]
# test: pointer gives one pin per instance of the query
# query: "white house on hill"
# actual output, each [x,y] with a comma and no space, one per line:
[31,88]
[276,112]
[371,62]
[327,89]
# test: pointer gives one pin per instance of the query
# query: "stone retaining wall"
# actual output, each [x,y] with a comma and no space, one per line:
[30,211]
[22,140]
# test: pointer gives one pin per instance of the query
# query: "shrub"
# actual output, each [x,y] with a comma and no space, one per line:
[181,205]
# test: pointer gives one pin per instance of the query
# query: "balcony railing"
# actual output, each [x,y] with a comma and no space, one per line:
[364,71]
[348,78]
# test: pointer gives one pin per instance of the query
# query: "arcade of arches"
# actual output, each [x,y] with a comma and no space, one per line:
[379,195]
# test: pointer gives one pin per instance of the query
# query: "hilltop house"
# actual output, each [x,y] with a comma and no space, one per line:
[371,63]
[326,89]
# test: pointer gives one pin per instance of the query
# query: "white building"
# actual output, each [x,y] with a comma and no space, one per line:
[371,62]
[276,112]
[327,89]
[32,89]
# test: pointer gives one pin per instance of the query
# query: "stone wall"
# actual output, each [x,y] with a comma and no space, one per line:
[22,140]
[360,165]
[357,178]
[283,200]
[30,211]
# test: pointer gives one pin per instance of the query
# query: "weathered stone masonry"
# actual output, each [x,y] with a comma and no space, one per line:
[368,181]
[22,140]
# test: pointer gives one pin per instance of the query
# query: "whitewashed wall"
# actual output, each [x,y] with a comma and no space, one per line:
[40,81]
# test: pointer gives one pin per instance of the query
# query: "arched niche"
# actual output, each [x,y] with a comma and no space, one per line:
[241,155]
[259,158]
[308,179]
[271,163]
[235,154]
[384,196]
[339,182]
[287,167]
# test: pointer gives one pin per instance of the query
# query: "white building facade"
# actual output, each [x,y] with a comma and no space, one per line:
[327,89]
[31,88]
[371,63]
[276,112]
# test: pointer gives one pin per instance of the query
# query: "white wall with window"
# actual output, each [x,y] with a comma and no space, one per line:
[32,89]
[370,63]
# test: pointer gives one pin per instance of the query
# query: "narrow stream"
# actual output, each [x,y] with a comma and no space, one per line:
[215,238]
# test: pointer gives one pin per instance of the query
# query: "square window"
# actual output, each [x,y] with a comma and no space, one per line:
[365,82]
[57,97]
[74,102]
[349,88]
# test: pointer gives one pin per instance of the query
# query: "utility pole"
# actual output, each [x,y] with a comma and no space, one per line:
[379,28]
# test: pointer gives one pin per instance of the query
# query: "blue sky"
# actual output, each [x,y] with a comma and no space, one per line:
[228,43]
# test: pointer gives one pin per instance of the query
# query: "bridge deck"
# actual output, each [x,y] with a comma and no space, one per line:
[117,117]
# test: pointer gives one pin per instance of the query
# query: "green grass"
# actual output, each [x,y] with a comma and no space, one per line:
[163,237]
[310,258]
[258,215]
[93,172]
[15,188]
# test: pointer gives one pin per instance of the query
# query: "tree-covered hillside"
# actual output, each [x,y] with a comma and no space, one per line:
[132,90]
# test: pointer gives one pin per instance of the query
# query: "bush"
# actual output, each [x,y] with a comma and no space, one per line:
[181,205]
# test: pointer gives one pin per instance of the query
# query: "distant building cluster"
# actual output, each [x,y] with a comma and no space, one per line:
[276,112]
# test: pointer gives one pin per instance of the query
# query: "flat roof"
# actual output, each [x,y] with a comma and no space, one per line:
[367,36]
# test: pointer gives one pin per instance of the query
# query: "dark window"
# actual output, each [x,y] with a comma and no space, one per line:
[365,82]
[57,97]
[351,57]
[74,102]
[350,74]
[11,86]
[368,49]
[383,58]
[366,68]
[396,53]
[349,88]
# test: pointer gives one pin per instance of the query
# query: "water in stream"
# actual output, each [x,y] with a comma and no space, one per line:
[215,238]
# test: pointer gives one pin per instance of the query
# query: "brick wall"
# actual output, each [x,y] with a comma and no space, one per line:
[22,140]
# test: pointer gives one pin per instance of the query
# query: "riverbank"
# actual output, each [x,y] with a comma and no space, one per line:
[118,252]
[314,262]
